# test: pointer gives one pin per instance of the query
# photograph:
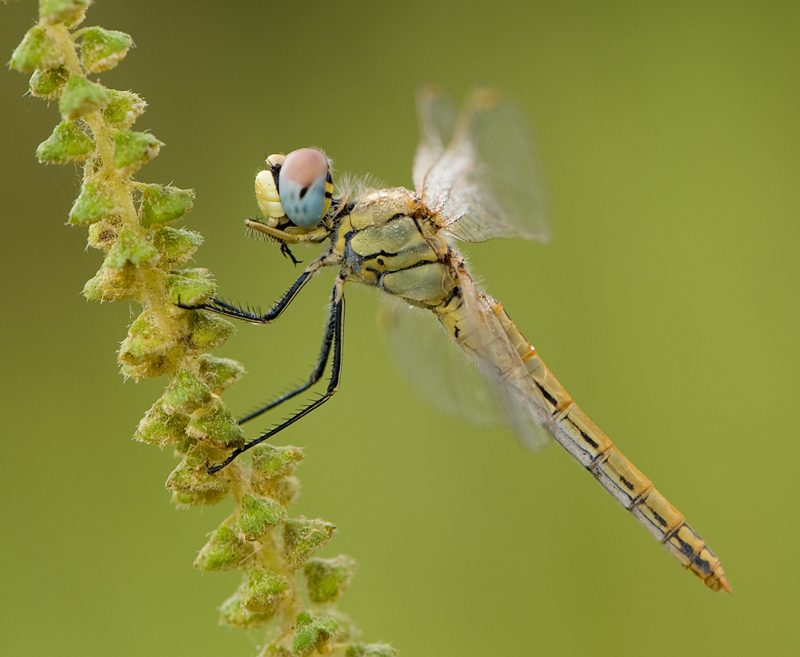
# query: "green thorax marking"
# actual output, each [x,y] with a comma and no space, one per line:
[389,240]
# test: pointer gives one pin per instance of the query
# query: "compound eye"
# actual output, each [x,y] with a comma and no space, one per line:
[305,187]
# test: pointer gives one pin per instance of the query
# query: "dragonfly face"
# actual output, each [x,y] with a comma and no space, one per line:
[475,179]
[294,192]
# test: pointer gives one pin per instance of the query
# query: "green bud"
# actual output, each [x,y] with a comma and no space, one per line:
[175,246]
[36,50]
[67,143]
[110,285]
[103,234]
[219,373]
[130,249]
[207,331]
[48,83]
[314,633]
[225,549]
[102,49]
[132,150]
[123,108]
[233,613]
[160,428]
[163,203]
[190,286]
[327,579]
[192,482]
[81,97]
[186,394]
[271,461]
[92,205]
[148,351]
[258,515]
[283,490]
[303,537]
[370,650]
[69,12]
[215,423]
[264,591]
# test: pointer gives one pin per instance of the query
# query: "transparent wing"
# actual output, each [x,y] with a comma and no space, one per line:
[445,377]
[436,114]
[486,182]
[484,340]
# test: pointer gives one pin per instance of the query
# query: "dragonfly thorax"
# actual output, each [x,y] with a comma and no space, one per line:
[389,241]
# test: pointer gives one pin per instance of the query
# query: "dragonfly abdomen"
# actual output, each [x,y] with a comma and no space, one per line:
[576,433]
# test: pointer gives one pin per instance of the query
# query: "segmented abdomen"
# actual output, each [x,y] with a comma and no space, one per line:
[595,451]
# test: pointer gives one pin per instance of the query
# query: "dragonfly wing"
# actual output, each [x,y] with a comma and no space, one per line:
[436,114]
[486,183]
[483,338]
[445,377]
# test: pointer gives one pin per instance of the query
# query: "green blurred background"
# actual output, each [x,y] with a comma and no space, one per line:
[667,304]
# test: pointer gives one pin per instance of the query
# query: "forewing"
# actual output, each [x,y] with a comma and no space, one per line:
[484,340]
[487,182]
[445,377]
[434,365]
[436,114]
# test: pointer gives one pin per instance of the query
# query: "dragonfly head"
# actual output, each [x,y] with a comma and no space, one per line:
[294,192]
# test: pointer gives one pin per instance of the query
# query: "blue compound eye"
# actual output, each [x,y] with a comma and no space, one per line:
[305,187]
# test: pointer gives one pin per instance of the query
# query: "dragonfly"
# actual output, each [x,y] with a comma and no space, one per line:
[476,178]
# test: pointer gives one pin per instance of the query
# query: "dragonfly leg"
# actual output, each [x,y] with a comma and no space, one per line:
[336,325]
[229,310]
[316,374]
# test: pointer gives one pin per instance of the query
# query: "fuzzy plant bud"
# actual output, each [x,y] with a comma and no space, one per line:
[314,633]
[175,246]
[130,249]
[190,286]
[215,424]
[148,351]
[81,97]
[160,428]
[271,471]
[67,143]
[303,537]
[327,579]
[123,108]
[225,550]
[271,461]
[68,12]
[186,394]
[48,83]
[163,203]
[259,515]
[36,51]
[92,205]
[283,490]
[104,233]
[264,591]
[233,613]
[111,285]
[132,150]
[219,373]
[103,49]
[207,331]
[191,482]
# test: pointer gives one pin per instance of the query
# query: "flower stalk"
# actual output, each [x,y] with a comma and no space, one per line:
[285,588]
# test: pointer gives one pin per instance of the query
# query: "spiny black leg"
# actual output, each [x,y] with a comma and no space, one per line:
[288,254]
[316,375]
[337,311]
[228,310]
